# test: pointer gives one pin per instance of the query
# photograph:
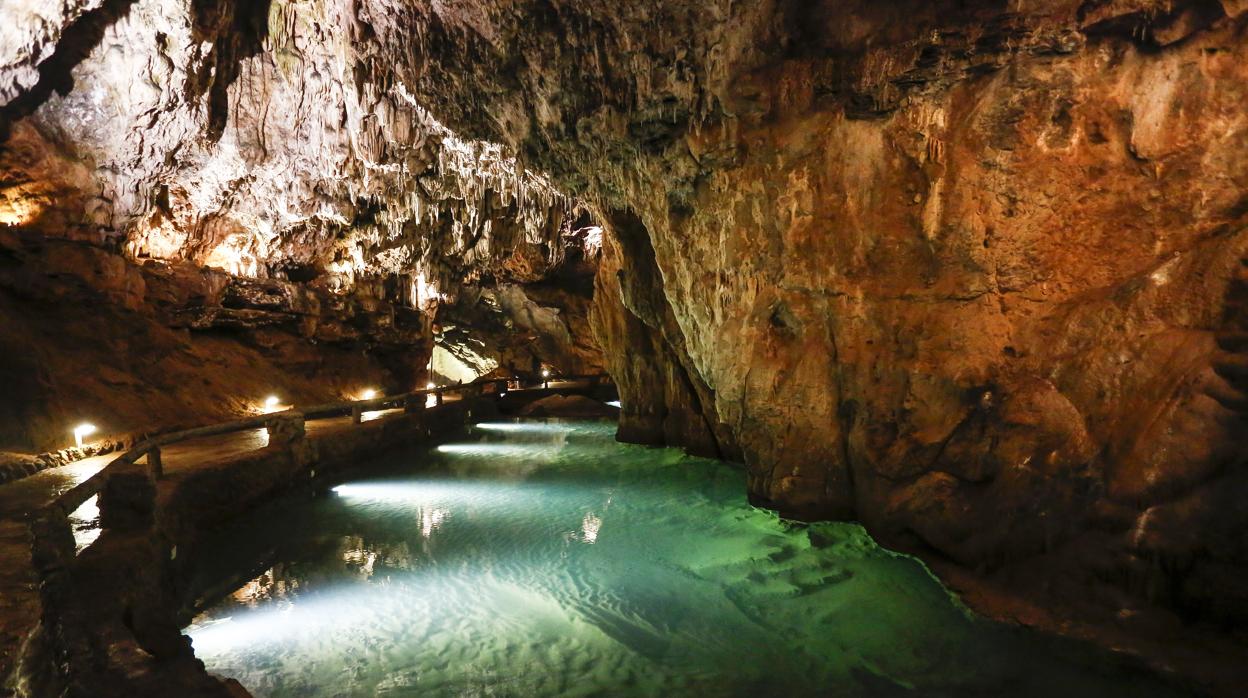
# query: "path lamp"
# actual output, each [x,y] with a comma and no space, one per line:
[82,430]
[270,404]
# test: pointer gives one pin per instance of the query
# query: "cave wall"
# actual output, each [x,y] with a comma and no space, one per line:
[135,348]
[972,273]
[664,401]
[209,201]
[257,137]
[528,315]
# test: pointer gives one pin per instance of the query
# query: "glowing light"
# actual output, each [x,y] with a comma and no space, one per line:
[159,238]
[593,240]
[545,373]
[525,427]
[20,205]
[425,294]
[614,403]
[372,491]
[238,255]
[590,526]
[82,430]
[271,401]
[368,394]
[429,386]
[505,450]
[434,494]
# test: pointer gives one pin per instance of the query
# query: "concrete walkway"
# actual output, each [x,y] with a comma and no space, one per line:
[19,594]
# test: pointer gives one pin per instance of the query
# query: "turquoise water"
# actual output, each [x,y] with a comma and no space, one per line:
[545,559]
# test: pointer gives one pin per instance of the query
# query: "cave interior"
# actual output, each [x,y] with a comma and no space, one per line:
[971,274]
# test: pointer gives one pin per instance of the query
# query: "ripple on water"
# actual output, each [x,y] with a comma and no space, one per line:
[545,559]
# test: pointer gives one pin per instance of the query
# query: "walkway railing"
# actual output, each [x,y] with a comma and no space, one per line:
[288,421]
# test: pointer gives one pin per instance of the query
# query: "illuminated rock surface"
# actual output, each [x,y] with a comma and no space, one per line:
[239,199]
[973,273]
[543,559]
[973,276]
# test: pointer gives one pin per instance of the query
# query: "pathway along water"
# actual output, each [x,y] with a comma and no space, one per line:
[545,559]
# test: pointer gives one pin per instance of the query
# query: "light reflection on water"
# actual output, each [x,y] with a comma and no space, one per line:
[85,523]
[544,559]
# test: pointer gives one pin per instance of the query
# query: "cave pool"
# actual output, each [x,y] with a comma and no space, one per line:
[546,559]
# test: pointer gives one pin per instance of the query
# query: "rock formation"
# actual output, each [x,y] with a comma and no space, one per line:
[973,273]
[524,319]
[204,203]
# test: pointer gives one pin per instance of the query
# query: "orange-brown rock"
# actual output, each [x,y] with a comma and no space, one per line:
[972,274]
[91,336]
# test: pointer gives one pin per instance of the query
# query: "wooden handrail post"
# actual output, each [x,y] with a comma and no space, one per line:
[155,467]
[438,397]
[357,414]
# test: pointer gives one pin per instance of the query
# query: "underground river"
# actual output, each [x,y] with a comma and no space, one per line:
[545,559]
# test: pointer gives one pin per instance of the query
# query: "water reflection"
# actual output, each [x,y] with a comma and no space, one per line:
[85,522]
[557,562]
[430,519]
[590,526]
[360,560]
[500,450]
[526,427]
[274,584]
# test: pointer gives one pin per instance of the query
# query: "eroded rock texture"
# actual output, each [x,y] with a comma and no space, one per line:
[526,318]
[970,272]
[91,336]
[242,198]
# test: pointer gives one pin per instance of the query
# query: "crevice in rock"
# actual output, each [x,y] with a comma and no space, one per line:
[77,41]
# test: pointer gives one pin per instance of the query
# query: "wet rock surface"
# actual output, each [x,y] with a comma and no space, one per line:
[520,322]
[972,274]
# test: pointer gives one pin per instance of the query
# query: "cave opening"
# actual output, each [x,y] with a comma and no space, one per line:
[658,348]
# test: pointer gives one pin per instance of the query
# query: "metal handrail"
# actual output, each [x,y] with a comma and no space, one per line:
[73,498]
